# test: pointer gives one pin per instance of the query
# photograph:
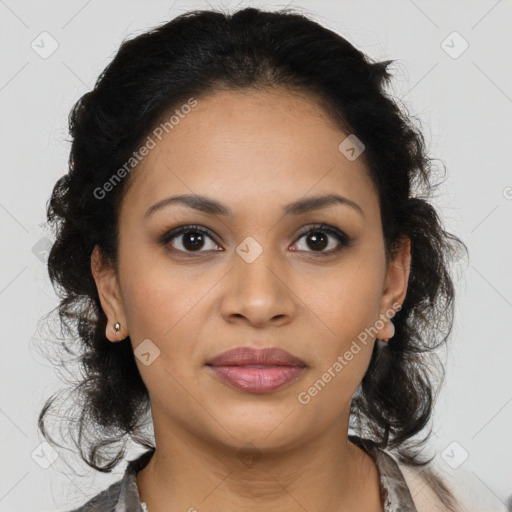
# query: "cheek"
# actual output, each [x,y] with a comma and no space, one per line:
[148,281]
[163,304]
[343,349]
[156,295]
[158,310]
[344,300]
[343,307]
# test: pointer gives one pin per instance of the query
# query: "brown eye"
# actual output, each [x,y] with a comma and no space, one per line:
[190,239]
[318,238]
[193,240]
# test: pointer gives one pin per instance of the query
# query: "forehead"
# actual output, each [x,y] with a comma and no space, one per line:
[247,146]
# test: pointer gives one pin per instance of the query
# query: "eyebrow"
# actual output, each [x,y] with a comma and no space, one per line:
[213,207]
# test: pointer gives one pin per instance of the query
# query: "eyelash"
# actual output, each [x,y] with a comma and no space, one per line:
[342,237]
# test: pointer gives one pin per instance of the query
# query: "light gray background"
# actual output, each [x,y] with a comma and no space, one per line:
[465,107]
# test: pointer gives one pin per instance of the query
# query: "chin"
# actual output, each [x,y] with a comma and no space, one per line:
[272,428]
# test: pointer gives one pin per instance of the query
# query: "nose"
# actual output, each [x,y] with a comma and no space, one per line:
[258,293]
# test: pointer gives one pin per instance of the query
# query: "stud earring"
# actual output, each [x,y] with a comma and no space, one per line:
[117,326]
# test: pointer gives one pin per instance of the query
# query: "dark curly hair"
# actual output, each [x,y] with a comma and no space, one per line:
[193,55]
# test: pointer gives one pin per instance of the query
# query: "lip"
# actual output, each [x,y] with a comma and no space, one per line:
[243,356]
[257,370]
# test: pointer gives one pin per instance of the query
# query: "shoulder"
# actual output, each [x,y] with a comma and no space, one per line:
[424,489]
[122,495]
[104,501]
[427,486]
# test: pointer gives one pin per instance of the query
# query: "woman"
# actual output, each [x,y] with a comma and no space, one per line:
[246,252]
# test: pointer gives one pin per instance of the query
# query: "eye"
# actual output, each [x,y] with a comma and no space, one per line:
[317,238]
[193,239]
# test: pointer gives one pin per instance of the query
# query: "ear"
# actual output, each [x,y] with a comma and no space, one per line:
[395,287]
[110,297]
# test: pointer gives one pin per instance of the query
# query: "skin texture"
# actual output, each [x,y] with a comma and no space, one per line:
[255,152]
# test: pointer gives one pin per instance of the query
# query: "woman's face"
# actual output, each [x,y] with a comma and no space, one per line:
[257,279]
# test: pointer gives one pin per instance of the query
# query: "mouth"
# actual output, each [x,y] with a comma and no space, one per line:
[257,370]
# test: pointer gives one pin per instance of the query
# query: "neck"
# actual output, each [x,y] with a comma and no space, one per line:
[188,472]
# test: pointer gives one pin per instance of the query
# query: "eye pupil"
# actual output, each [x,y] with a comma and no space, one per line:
[319,240]
[193,240]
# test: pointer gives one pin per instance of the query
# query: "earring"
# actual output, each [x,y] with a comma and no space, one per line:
[386,340]
[117,326]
